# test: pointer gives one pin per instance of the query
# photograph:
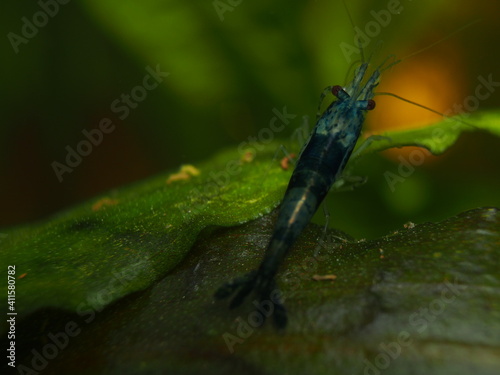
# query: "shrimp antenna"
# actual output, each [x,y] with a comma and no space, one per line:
[433,44]
[425,107]
[416,53]
[350,69]
[361,52]
[442,39]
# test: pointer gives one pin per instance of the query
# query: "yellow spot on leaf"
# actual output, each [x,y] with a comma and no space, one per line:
[185,173]
[248,157]
[381,253]
[190,169]
[285,162]
[103,202]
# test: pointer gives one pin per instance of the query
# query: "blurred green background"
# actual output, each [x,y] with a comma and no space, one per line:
[230,66]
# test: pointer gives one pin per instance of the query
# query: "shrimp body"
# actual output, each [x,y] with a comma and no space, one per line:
[320,164]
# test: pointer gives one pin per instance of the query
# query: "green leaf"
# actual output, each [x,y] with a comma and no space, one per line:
[91,259]
[437,137]
[422,300]
[141,232]
[136,233]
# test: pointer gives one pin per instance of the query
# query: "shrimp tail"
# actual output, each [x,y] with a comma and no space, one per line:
[267,303]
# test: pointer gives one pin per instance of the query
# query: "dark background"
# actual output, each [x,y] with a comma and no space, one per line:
[226,76]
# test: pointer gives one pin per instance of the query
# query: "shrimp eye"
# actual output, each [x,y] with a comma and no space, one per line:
[371,104]
[336,89]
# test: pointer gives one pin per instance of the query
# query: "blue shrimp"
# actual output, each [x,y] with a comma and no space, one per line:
[320,164]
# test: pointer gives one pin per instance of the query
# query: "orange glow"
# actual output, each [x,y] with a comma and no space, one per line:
[434,80]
